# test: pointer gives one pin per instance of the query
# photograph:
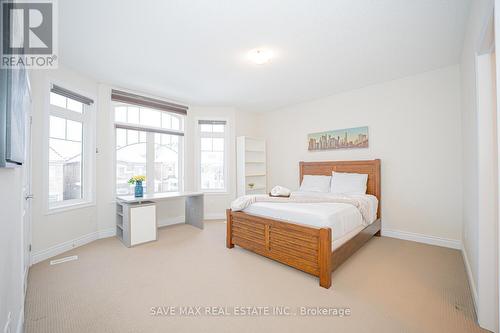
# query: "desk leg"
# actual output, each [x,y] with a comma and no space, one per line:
[194,211]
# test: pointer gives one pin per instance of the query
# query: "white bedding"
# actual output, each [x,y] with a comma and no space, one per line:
[343,218]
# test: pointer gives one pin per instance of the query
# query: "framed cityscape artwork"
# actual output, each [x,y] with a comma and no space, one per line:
[348,138]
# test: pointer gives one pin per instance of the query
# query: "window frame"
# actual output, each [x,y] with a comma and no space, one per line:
[88,159]
[150,143]
[197,147]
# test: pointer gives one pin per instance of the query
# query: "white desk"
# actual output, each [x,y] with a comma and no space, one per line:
[193,209]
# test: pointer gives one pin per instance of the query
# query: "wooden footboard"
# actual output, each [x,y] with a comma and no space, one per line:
[306,248]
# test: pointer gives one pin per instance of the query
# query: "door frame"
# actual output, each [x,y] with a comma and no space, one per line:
[496,31]
[487,112]
[27,196]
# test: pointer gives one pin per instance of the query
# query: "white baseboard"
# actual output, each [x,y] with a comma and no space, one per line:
[472,284]
[20,321]
[55,250]
[105,233]
[217,216]
[181,219]
[170,221]
[431,240]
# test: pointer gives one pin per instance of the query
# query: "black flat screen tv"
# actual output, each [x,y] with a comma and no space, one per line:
[14,111]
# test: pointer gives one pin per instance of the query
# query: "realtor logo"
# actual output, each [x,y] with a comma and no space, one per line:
[28,34]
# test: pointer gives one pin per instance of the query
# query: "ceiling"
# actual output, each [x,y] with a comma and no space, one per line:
[195,51]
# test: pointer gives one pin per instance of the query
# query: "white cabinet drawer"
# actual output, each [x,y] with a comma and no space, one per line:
[142,224]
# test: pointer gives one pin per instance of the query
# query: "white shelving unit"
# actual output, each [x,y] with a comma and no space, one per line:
[136,222]
[251,165]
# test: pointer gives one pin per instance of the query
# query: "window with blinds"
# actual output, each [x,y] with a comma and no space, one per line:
[212,155]
[70,143]
[149,142]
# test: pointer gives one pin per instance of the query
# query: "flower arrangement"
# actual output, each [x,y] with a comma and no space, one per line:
[137,179]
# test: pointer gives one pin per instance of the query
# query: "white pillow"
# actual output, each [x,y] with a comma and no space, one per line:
[312,183]
[348,183]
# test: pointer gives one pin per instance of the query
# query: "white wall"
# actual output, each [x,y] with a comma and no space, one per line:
[478,17]
[105,163]
[248,124]
[414,128]
[11,254]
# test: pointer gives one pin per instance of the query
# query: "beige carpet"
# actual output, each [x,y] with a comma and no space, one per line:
[389,285]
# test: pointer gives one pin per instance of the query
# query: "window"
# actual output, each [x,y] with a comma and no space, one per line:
[69,149]
[167,162]
[148,142]
[130,158]
[212,155]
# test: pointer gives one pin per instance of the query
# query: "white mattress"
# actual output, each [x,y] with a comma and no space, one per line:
[344,219]
[339,242]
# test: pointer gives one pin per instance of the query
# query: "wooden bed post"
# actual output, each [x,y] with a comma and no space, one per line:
[229,226]
[325,257]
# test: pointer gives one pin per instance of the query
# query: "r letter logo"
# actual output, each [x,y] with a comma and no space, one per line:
[28,34]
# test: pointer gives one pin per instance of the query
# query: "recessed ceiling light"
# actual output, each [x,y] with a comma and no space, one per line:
[260,56]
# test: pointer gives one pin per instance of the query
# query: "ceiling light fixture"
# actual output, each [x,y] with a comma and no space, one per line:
[260,56]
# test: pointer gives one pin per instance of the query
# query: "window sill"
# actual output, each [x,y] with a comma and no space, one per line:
[68,207]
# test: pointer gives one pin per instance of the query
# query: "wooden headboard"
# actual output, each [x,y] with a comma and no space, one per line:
[372,168]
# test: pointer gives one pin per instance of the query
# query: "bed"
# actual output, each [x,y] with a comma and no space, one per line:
[310,246]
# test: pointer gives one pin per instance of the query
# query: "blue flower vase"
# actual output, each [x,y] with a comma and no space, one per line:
[139,191]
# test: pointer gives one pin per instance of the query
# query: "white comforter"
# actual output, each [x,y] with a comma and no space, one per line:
[361,202]
[342,214]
